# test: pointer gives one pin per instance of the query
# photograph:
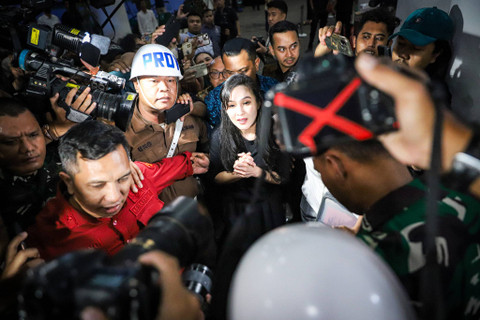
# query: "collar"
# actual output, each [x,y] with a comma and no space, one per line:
[7,176]
[139,123]
[190,35]
[395,202]
[72,217]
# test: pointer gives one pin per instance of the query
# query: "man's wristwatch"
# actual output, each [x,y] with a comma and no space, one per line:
[465,166]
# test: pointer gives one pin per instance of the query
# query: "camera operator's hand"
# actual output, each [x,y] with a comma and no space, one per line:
[83,103]
[137,176]
[323,33]
[16,259]
[176,301]
[200,162]
[61,124]
[415,112]
[157,33]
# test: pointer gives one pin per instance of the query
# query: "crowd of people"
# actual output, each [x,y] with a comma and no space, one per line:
[69,186]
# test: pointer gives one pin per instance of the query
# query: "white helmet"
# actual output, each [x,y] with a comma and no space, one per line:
[155,60]
[307,271]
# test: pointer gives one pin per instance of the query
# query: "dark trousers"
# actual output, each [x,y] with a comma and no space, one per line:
[344,14]
[320,16]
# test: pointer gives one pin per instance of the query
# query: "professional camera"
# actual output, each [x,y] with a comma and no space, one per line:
[114,106]
[328,104]
[119,285]
[111,105]
[87,46]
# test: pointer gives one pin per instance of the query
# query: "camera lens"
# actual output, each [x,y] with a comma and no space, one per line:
[198,280]
[117,108]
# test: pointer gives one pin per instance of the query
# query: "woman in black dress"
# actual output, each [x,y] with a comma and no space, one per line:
[248,181]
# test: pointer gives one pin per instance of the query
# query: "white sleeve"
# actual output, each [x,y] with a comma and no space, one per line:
[154,20]
[140,23]
[57,20]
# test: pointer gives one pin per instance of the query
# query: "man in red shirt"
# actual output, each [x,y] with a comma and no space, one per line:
[94,207]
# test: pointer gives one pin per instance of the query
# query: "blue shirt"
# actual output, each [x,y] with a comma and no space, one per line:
[214,103]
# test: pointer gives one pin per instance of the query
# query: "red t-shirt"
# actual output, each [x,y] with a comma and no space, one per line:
[60,228]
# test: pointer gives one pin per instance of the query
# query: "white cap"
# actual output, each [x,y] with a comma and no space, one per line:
[309,271]
[155,60]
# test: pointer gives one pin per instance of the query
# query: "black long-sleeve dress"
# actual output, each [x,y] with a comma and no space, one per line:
[249,195]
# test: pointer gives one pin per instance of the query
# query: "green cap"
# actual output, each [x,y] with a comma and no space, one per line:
[425,26]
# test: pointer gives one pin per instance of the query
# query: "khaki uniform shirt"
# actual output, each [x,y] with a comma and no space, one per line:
[150,143]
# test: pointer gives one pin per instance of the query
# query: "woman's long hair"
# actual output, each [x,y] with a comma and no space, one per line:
[231,139]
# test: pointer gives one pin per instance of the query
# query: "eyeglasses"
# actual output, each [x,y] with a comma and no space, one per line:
[216,74]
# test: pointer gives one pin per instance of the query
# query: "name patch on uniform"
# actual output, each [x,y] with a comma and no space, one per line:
[188,127]
[160,59]
[144,199]
[145,146]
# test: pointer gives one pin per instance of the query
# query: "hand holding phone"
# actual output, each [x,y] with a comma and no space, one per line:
[176,112]
[339,43]
[172,27]
[203,40]
[200,70]
[187,48]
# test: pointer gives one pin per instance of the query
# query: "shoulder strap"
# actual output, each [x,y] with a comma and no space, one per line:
[176,136]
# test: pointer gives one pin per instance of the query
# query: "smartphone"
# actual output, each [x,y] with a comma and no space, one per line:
[340,43]
[174,113]
[202,40]
[187,48]
[172,27]
[334,214]
[200,70]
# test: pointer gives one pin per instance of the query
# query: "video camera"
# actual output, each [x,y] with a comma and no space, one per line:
[328,104]
[46,65]
[120,285]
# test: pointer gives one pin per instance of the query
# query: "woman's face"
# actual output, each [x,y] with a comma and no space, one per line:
[203,58]
[242,108]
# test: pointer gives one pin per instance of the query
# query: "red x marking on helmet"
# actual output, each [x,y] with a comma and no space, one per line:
[327,116]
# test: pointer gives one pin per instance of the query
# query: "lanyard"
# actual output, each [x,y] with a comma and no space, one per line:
[176,136]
